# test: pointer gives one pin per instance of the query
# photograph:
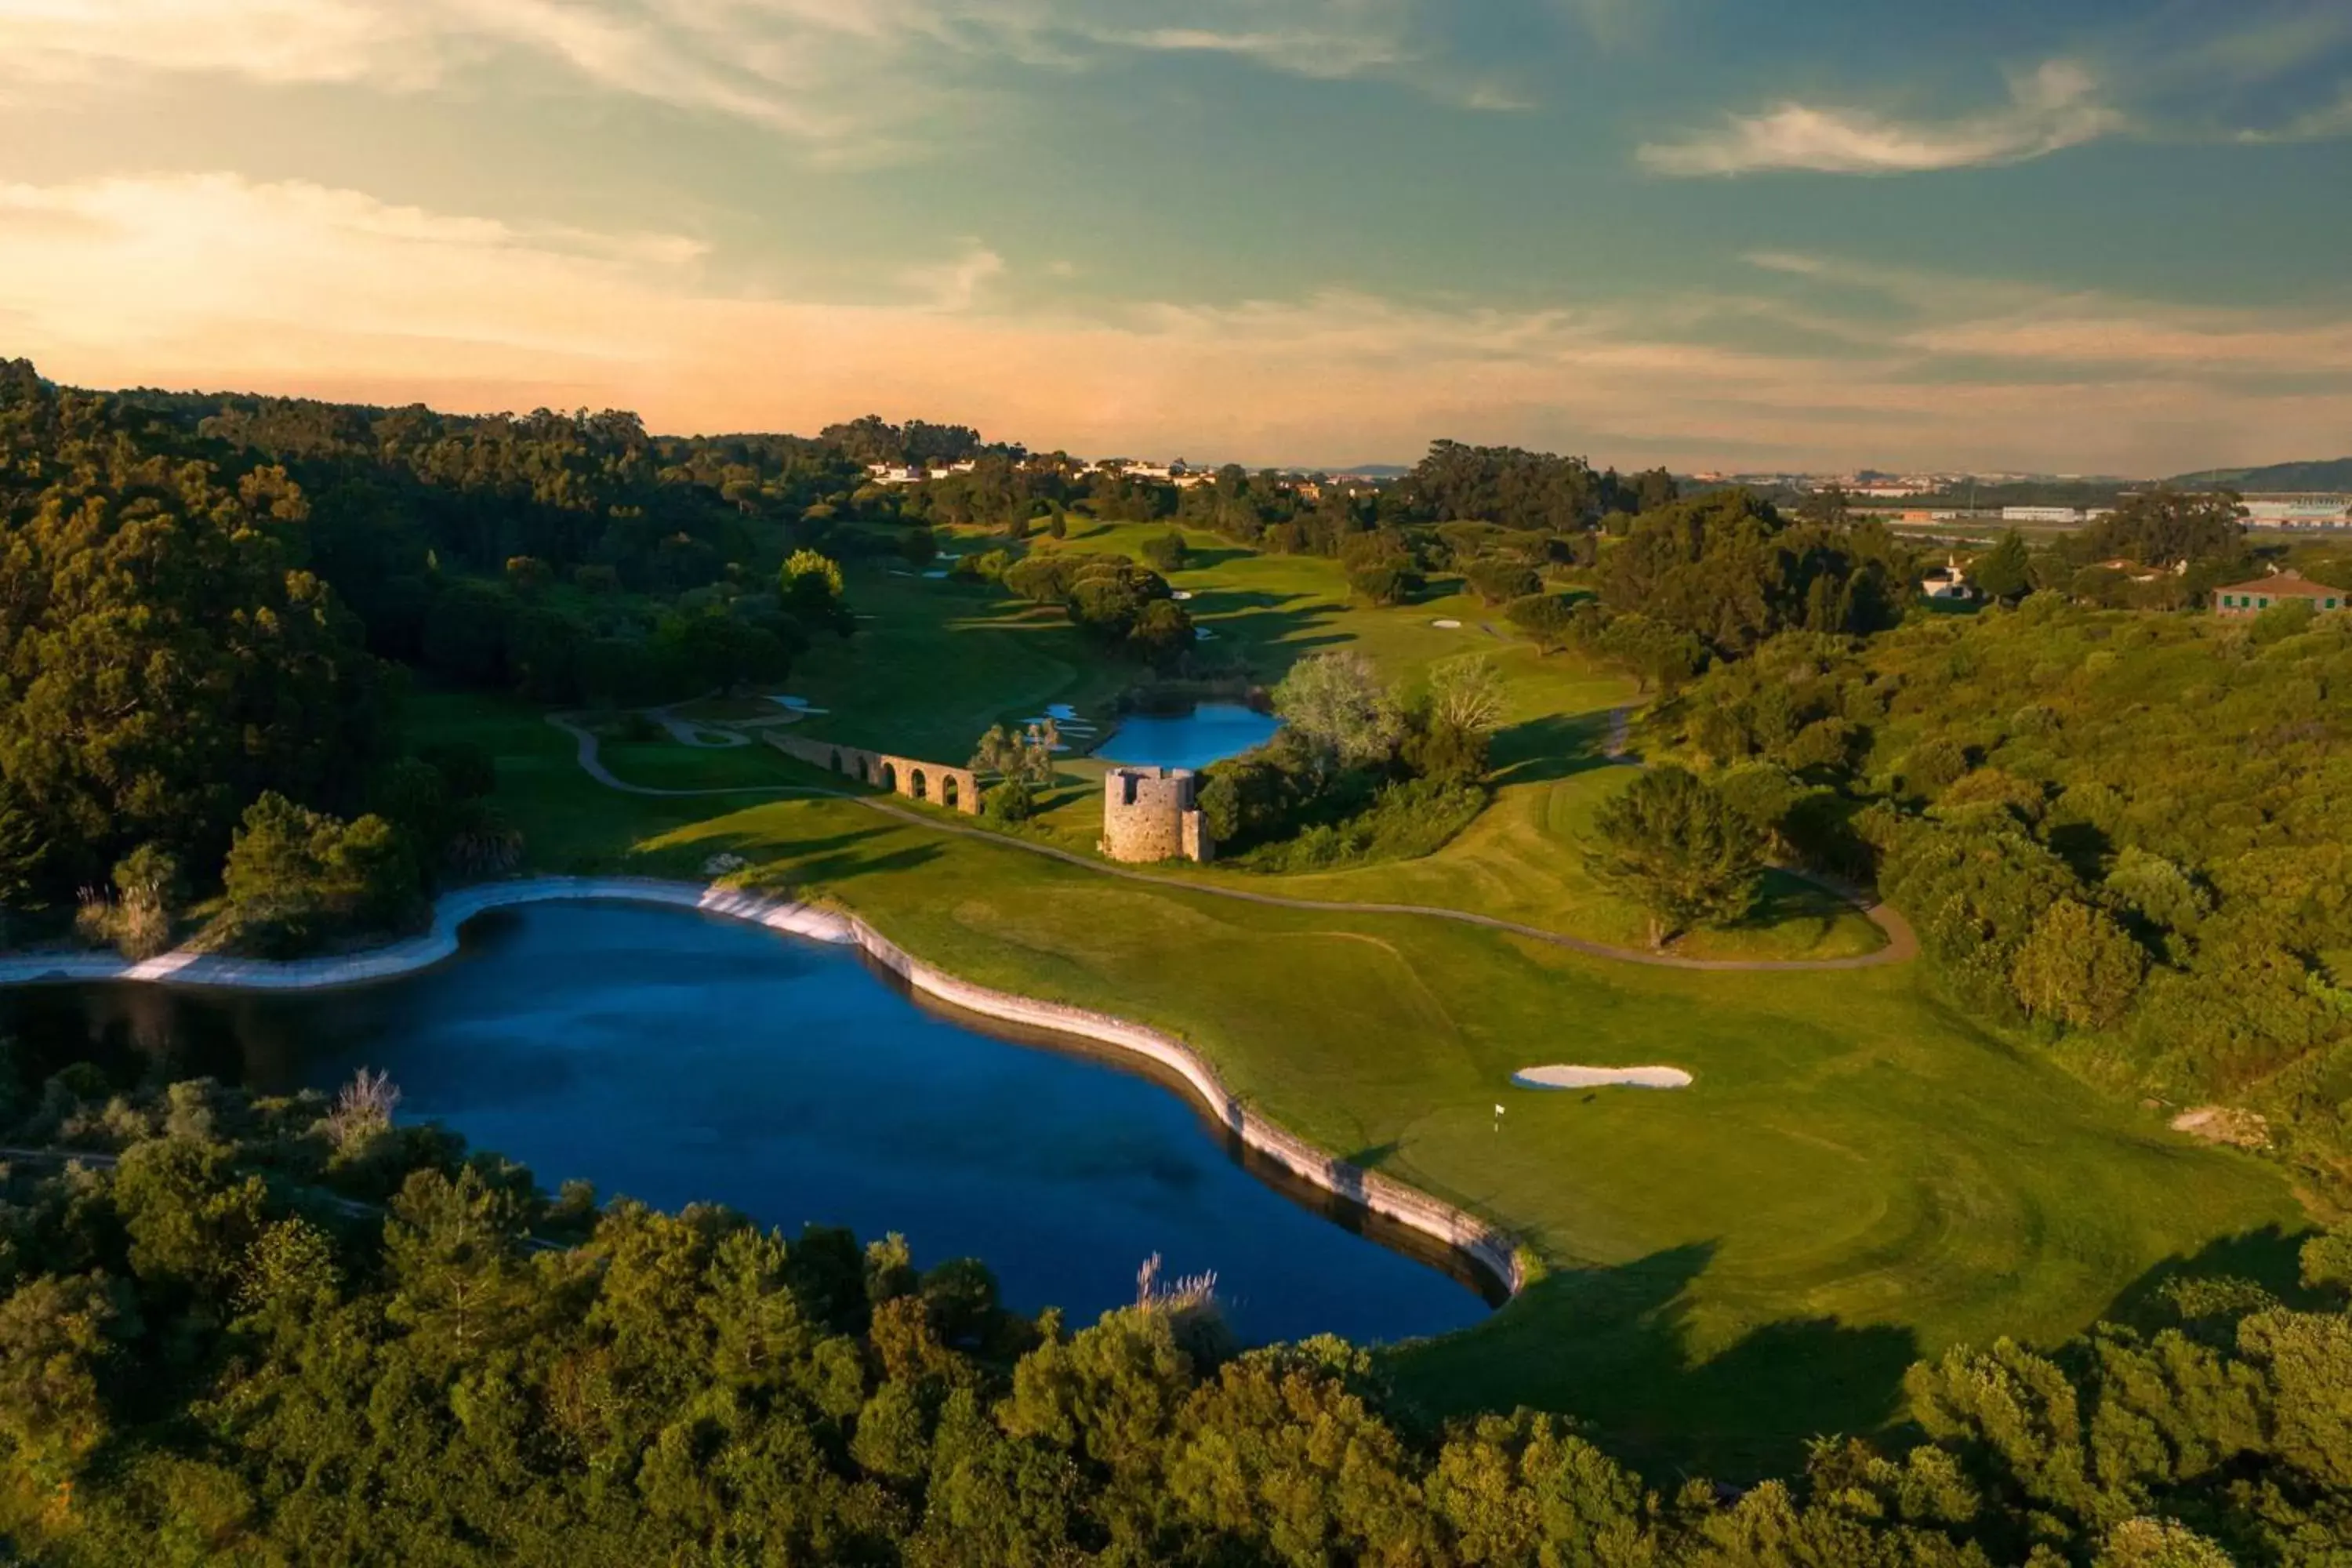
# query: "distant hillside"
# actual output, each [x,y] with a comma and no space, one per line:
[2336,475]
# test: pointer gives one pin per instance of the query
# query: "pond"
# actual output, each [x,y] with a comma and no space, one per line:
[1209,733]
[671,1057]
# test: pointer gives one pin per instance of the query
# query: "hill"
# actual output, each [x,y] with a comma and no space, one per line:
[2334,474]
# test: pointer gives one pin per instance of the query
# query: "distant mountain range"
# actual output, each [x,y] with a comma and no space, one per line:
[2336,475]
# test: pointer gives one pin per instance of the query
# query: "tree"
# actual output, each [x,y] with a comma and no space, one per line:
[1465,693]
[1658,655]
[1165,552]
[2077,967]
[1548,619]
[1499,582]
[1388,582]
[1026,758]
[810,588]
[1671,844]
[294,875]
[1829,506]
[2165,527]
[2006,571]
[1336,703]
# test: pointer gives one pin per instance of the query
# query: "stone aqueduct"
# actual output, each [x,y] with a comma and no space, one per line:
[958,789]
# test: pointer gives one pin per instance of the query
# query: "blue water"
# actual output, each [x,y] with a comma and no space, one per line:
[1209,733]
[673,1057]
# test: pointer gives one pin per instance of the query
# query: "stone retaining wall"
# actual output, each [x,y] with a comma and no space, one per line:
[1492,1249]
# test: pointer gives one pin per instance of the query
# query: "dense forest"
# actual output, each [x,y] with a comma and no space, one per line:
[213,605]
[2126,834]
[280,1331]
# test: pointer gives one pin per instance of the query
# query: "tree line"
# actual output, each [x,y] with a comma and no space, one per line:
[263,1332]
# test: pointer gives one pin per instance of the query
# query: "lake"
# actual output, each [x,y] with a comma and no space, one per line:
[1209,733]
[671,1057]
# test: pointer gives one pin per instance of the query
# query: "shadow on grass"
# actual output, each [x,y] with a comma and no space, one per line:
[2269,1257]
[1608,1346]
[1546,750]
[1783,901]
[1208,557]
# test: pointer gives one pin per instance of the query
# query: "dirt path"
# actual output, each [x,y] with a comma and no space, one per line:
[1902,945]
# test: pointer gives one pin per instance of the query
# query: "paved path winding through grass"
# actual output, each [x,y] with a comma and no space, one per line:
[1902,945]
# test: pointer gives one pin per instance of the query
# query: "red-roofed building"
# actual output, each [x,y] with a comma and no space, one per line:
[2279,588]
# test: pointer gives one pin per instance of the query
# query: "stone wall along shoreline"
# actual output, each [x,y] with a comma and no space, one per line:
[1492,1249]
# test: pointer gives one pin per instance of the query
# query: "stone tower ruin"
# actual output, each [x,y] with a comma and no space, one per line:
[1150,814]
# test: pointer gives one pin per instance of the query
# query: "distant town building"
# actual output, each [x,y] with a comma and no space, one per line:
[2041,514]
[2299,511]
[2279,588]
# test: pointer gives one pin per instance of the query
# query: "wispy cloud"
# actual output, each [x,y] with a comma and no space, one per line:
[2056,106]
[220,281]
[955,285]
[806,68]
[2325,123]
[2176,74]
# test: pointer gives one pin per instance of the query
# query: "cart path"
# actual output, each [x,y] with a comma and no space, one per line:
[1902,944]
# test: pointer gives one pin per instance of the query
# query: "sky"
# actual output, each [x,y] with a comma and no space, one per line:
[2063,236]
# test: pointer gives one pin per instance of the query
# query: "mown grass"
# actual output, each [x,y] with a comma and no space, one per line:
[1857,1178]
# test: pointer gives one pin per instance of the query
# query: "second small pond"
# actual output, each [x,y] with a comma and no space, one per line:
[1209,733]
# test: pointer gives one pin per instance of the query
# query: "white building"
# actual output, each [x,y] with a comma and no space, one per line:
[2041,514]
[1948,582]
[2299,511]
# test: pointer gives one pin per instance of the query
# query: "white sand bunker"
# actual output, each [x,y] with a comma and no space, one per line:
[1570,1077]
[1448,626]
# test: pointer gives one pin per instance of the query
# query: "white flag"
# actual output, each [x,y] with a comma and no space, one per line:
[1498,1111]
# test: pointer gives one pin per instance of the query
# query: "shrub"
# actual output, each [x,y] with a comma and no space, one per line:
[1404,822]
[1165,552]
[295,877]
[1547,620]
[1499,582]
[1385,582]
[1015,800]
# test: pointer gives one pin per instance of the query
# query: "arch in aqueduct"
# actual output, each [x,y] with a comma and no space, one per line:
[955,788]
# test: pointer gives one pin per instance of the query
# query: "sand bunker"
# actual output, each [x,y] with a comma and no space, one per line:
[1447,625]
[1570,1076]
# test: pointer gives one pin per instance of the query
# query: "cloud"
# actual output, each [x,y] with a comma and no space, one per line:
[2325,123]
[222,282]
[2054,107]
[811,68]
[274,41]
[956,285]
[2084,332]
[2174,75]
